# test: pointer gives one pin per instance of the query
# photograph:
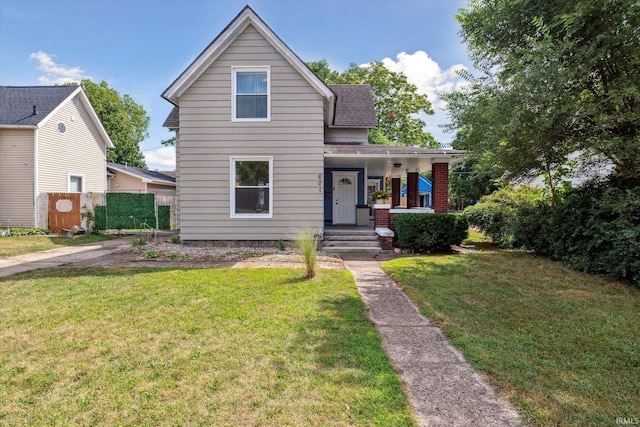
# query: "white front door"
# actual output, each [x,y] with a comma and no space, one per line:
[345,197]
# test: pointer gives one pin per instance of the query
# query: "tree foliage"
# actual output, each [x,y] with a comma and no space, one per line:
[396,101]
[171,141]
[558,78]
[474,178]
[125,121]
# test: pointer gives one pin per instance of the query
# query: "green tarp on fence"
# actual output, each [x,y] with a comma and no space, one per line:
[131,211]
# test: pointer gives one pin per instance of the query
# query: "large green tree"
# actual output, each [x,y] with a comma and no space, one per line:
[396,101]
[558,78]
[125,121]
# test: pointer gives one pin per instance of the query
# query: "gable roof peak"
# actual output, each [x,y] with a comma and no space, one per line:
[32,106]
[246,17]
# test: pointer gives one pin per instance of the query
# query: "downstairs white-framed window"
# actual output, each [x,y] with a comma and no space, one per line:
[251,186]
[75,183]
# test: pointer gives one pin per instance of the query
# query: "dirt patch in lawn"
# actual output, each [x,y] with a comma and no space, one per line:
[163,254]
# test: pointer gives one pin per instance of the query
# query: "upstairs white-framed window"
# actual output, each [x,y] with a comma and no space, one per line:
[251,187]
[75,183]
[251,87]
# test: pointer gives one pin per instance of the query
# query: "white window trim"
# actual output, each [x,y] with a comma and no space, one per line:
[80,175]
[232,186]
[234,71]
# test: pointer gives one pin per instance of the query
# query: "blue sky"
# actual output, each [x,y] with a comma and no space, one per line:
[140,46]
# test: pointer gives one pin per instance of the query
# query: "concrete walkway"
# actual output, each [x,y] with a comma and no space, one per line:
[443,389]
[61,256]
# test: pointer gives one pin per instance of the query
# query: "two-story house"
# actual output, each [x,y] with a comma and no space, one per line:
[264,146]
[51,140]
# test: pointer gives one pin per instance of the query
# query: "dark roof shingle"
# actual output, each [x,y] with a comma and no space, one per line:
[173,119]
[354,106]
[29,105]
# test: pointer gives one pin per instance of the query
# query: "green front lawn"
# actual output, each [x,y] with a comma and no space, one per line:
[192,347]
[562,345]
[20,245]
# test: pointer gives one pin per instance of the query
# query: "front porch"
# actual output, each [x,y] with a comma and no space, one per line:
[353,171]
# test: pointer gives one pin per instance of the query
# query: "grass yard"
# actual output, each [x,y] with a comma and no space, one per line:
[20,245]
[562,345]
[192,347]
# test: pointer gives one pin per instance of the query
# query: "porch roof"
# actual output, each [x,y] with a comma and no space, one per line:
[380,159]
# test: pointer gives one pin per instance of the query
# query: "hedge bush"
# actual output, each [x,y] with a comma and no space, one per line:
[495,215]
[423,233]
[595,228]
[27,231]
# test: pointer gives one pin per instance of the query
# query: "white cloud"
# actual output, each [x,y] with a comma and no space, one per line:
[56,73]
[163,158]
[426,74]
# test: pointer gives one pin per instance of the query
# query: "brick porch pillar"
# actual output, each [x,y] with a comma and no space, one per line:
[381,216]
[440,175]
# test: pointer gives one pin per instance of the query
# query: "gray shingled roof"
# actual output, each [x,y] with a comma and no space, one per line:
[173,119]
[17,103]
[153,176]
[354,106]
[383,150]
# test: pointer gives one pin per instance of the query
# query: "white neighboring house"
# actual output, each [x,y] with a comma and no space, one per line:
[51,140]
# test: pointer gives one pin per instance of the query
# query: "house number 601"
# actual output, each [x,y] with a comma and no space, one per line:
[320,183]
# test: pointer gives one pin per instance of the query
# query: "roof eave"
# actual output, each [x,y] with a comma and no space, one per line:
[18,126]
[353,126]
[143,179]
[389,155]
[95,119]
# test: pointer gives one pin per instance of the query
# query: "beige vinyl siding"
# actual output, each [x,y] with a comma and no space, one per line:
[123,182]
[345,136]
[80,151]
[16,178]
[294,137]
[129,183]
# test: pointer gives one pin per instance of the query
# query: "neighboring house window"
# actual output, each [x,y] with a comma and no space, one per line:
[76,183]
[251,94]
[62,128]
[251,187]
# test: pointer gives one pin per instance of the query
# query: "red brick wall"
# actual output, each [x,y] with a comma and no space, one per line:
[440,175]
[381,218]
[386,243]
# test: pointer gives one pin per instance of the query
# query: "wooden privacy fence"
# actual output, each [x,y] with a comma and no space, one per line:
[64,211]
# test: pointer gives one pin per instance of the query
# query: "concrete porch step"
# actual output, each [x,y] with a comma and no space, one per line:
[351,237]
[360,249]
[350,240]
[351,243]
[347,232]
